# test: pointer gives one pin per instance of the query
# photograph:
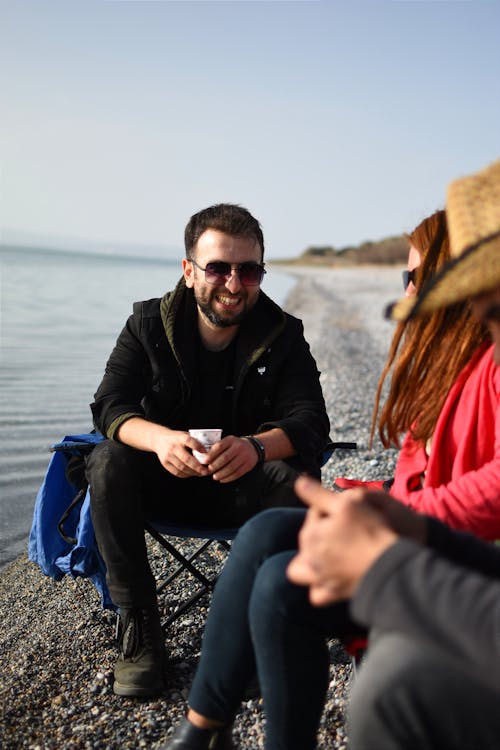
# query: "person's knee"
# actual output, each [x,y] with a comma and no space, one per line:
[279,471]
[395,683]
[268,532]
[108,466]
[412,693]
[279,486]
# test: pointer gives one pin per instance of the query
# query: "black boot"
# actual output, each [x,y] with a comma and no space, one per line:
[140,666]
[189,737]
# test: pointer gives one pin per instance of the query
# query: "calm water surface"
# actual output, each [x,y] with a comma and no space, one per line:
[60,314]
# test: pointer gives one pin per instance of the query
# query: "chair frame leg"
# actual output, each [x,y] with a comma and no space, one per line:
[207,584]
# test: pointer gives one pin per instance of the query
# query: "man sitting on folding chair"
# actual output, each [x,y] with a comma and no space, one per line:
[215,352]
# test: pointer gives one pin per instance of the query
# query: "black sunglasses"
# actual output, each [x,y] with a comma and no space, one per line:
[218,272]
[492,315]
[409,276]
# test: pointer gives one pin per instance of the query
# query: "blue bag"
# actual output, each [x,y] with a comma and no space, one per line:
[62,539]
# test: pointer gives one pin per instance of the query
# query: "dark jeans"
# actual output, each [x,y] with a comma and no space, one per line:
[411,695]
[258,619]
[128,486]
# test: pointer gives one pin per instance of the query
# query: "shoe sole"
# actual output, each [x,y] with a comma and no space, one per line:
[131,691]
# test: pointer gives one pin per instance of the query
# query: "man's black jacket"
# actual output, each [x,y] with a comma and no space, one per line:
[150,374]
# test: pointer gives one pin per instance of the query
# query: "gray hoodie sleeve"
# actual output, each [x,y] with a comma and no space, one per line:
[416,591]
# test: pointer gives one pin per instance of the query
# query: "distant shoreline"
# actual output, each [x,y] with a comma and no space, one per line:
[88,254]
[320,263]
[168,257]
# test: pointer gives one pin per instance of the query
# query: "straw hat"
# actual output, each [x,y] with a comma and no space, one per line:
[473,217]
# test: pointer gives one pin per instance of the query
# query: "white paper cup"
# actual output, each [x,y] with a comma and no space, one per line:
[207,437]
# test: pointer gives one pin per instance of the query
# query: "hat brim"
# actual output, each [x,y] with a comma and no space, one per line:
[474,272]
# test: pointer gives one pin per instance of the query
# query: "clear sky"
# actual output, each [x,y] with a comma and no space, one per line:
[333,122]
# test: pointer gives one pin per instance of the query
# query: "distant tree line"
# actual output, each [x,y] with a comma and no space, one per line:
[392,250]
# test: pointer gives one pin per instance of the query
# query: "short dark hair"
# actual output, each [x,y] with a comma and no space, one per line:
[225,217]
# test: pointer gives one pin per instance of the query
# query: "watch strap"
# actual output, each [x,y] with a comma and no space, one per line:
[259,448]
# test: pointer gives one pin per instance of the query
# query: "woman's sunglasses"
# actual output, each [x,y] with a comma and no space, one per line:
[218,272]
[409,277]
[492,315]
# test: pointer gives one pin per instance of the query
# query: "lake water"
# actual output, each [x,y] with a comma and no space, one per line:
[60,314]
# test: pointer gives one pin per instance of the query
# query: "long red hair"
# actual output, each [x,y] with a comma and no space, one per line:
[427,353]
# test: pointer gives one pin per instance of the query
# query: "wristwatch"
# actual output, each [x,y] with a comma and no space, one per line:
[259,448]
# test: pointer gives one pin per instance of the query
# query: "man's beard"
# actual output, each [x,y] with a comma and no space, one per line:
[204,303]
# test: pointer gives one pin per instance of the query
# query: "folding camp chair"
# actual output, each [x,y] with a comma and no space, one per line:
[209,542]
[69,547]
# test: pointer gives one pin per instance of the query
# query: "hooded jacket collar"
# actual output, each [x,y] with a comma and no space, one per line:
[256,333]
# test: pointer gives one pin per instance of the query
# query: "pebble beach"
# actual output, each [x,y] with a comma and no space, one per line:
[57,646]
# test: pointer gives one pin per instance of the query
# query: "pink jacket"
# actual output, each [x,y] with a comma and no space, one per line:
[462,474]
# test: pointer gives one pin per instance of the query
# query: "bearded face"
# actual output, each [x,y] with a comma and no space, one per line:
[223,304]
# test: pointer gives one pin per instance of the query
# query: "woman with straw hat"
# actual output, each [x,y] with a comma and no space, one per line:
[444,398]
[430,594]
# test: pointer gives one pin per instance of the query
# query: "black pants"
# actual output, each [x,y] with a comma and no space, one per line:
[128,487]
[259,620]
